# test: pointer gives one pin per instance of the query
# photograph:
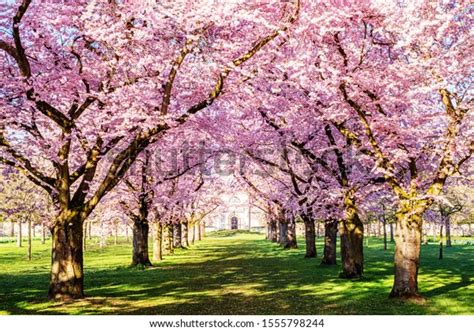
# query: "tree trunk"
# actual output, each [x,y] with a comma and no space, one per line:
[126,233]
[384,233]
[424,235]
[43,233]
[29,239]
[12,229]
[67,278]
[171,229]
[352,241]
[140,243]
[407,250]
[84,237]
[203,229]
[198,226]
[168,239]
[103,238]
[291,237]
[177,236]
[447,224]
[318,229]
[157,242]
[90,230]
[440,256]
[310,236]
[283,232]
[19,235]
[185,234]
[116,233]
[392,239]
[169,235]
[272,231]
[330,238]
[193,233]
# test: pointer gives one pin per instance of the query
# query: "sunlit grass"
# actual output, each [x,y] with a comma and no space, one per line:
[235,273]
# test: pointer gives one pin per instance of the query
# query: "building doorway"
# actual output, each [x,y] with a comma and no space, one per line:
[234,223]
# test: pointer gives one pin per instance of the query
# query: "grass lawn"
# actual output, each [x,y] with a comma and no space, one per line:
[236,273]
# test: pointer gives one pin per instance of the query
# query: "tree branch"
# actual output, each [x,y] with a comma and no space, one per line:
[21,58]
[126,157]
[382,160]
[216,91]
[172,75]
[24,162]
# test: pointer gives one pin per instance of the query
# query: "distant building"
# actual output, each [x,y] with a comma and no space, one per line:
[238,213]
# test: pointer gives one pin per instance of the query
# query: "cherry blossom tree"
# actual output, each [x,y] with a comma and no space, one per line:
[394,79]
[74,81]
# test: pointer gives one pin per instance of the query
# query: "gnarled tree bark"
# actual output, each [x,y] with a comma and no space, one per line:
[67,278]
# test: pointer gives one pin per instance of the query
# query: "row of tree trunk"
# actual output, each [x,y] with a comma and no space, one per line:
[166,238]
[276,227]
[31,232]
[282,230]
[30,235]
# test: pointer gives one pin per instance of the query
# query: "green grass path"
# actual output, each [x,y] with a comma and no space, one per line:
[236,273]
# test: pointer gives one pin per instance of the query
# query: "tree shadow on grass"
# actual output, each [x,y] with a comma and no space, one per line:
[441,290]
